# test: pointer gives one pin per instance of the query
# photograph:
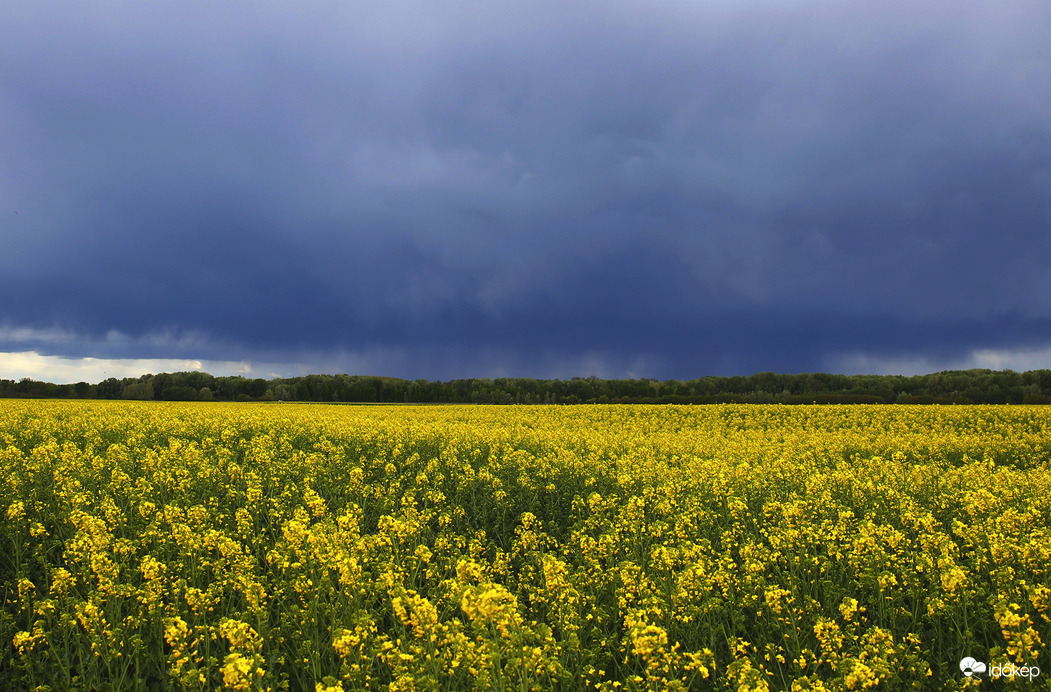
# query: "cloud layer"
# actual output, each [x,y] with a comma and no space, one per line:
[461,189]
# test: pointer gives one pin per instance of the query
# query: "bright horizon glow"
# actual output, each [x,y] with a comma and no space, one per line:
[61,370]
[1018,360]
[64,370]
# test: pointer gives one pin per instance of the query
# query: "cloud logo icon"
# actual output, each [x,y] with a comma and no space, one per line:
[970,667]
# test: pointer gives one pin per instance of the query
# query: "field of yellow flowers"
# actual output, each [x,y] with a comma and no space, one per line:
[323,548]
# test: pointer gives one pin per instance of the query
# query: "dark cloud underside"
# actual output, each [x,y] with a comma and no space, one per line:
[683,188]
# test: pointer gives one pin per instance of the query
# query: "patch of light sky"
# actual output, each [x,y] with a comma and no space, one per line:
[64,370]
[1019,360]
[60,370]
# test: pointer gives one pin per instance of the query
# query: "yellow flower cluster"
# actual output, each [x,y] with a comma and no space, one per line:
[151,545]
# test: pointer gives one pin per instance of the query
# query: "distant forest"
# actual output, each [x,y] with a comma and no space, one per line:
[949,387]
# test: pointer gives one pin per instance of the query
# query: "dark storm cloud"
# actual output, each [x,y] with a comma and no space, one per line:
[453,189]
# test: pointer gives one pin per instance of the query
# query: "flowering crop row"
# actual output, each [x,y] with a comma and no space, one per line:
[324,548]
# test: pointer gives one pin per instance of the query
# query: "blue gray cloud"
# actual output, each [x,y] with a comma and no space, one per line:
[449,189]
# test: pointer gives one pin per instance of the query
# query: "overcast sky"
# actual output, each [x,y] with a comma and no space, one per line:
[440,188]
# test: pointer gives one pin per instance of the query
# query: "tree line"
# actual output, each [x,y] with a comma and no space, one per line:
[947,387]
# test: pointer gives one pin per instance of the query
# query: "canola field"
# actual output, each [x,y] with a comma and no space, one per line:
[155,546]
